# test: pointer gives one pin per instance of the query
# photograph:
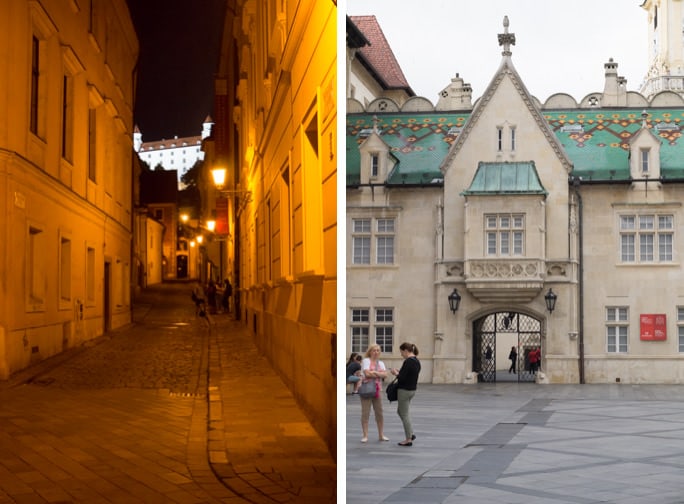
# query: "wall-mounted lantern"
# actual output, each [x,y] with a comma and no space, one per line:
[550,299]
[454,301]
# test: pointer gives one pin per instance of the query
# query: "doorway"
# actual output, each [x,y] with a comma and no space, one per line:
[494,335]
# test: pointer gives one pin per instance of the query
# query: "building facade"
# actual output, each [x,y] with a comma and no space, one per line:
[275,131]
[517,223]
[65,173]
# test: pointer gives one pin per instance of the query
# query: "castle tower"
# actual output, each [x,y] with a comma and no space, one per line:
[137,139]
[665,47]
[206,127]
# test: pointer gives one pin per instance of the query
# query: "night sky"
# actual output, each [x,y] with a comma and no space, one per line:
[179,46]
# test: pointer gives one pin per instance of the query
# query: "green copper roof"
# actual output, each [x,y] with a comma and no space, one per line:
[505,178]
[419,143]
[595,140]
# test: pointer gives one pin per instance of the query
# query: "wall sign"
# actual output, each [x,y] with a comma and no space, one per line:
[653,326]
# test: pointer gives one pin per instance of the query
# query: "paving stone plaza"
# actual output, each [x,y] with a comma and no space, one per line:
[524,443]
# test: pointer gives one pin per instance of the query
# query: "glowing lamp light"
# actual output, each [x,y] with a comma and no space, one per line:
[199,239]
[184,217]
[219,176]
[211,225]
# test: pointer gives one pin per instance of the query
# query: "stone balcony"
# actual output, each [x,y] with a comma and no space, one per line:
[501,280]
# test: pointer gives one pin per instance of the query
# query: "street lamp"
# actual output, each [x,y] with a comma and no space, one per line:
[550,299]
[219,176]
[454,301]
[211,225]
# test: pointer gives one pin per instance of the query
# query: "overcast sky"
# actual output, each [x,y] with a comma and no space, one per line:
[560,46]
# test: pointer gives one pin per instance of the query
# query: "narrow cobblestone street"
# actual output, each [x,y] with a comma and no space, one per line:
[125,418]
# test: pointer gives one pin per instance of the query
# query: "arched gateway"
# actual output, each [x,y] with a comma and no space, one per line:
[493,337]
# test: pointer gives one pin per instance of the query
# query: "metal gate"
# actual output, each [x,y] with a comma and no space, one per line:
[507,330]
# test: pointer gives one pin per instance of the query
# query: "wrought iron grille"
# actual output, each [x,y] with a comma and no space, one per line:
[519,330]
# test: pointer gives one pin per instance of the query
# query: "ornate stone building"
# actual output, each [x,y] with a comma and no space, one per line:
[65,174]
[518,223]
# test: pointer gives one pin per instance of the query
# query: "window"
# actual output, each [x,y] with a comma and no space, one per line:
[360,326]
[90,275]
[646,238]
[504,234]
[363,237]
[512,139]
[680,328]
[361,241]
[644,160]
[67,117]
[36,269]
[92,145]
[65,269]
[385,241]
[38,88]
[375,162]
[617,326]
[384,329]
[499,138]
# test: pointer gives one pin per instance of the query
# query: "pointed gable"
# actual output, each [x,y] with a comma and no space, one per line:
[507,72]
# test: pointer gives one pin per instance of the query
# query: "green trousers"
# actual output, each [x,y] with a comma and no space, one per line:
[403,401]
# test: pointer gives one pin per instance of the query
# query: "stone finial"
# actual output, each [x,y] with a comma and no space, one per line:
[506,39]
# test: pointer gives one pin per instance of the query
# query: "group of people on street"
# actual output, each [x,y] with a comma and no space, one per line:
[213,297]
[533,359]
[371,369]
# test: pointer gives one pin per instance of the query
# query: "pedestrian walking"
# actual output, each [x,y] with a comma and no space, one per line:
[198,298]
[211,296]
[374,371]
[227,292]
[513,356]
[407,380]
[533,358]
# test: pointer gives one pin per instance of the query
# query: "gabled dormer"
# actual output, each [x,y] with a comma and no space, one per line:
[376,161]
[644,157]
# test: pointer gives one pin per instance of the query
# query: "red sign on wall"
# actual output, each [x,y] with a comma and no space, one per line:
[653,326]
[221,216]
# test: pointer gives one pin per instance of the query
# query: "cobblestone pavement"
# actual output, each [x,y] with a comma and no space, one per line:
[127,418]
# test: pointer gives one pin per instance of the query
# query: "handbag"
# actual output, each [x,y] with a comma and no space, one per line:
[367,389]
[391,390]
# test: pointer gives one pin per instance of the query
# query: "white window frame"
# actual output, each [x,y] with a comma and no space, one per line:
[359,329]
[361,241]
[646,238]
[384,328]
[384,240]
[617,329]
[504,235]
[373,241]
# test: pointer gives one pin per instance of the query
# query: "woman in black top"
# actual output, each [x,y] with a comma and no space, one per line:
[407,379]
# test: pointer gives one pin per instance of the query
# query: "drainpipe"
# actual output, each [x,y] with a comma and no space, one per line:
[580,281]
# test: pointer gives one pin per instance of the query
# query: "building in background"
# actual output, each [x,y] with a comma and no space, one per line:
[178,154]
[65,175]
[551,226]
[276,211]
[159,197]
